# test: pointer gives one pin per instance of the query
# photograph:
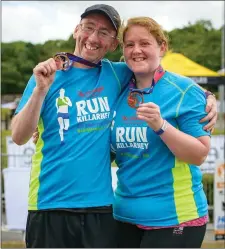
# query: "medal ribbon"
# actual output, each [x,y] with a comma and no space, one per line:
[136,95]
[67,60]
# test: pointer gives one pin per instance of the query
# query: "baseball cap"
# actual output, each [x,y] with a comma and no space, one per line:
[106,10]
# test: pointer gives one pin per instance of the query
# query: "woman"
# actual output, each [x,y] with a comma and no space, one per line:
[159,144]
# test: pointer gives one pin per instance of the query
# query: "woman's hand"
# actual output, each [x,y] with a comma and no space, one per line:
[150,113]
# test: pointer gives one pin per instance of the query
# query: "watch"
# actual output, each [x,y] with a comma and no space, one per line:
[163,128]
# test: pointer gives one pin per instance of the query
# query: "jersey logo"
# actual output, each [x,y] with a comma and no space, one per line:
[62,105]
[131,137]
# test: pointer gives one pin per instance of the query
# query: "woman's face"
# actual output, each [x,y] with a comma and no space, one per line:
[141,51]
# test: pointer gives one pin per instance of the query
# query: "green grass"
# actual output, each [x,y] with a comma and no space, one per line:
[213,244]
[13,244]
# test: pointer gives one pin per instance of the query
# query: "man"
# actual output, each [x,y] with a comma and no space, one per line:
[71,196]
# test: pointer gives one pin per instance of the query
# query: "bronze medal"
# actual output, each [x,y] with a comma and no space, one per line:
[64,61]
[134,99]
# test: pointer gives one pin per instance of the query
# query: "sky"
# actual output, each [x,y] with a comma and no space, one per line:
[39,21]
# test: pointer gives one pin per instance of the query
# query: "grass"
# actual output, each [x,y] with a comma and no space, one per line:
[13,244]
[213,244]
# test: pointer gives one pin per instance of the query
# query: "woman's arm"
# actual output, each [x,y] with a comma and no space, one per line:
[185,147]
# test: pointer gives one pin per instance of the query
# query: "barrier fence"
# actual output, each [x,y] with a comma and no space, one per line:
[22,164]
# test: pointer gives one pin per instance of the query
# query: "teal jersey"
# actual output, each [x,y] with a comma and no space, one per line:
[154,187]
[71,164]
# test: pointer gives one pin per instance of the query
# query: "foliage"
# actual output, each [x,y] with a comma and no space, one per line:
[4,134]
[199,41]
[114,56]
[218,132]
[5,113]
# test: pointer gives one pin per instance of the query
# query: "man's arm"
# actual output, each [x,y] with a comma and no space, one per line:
[211,109]
[25,122]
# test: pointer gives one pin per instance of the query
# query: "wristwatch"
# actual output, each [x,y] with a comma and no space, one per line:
[163,128]
[208,93]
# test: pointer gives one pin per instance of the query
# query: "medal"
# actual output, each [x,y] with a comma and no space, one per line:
[66,61]
[134,99]
[135,96]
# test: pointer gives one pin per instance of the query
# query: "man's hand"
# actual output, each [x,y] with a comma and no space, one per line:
[211,109]
[44,74]
[35,136]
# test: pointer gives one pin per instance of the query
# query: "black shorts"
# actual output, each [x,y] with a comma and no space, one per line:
[59,228]
[130,236]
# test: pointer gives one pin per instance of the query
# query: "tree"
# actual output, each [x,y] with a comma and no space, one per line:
[199,41]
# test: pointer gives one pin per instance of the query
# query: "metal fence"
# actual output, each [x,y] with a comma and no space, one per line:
[17,161]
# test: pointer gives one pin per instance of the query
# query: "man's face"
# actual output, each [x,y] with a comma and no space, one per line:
[93,47]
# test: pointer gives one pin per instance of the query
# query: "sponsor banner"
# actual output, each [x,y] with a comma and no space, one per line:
[16,183]
[216,152]
[219,201]
[20,156]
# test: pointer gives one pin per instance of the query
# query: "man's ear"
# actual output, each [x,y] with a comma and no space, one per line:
[114,45]
[75,32]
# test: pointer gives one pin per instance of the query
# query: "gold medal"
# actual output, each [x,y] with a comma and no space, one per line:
[134,99]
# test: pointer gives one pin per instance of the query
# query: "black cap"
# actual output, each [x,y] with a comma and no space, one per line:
[106,10]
